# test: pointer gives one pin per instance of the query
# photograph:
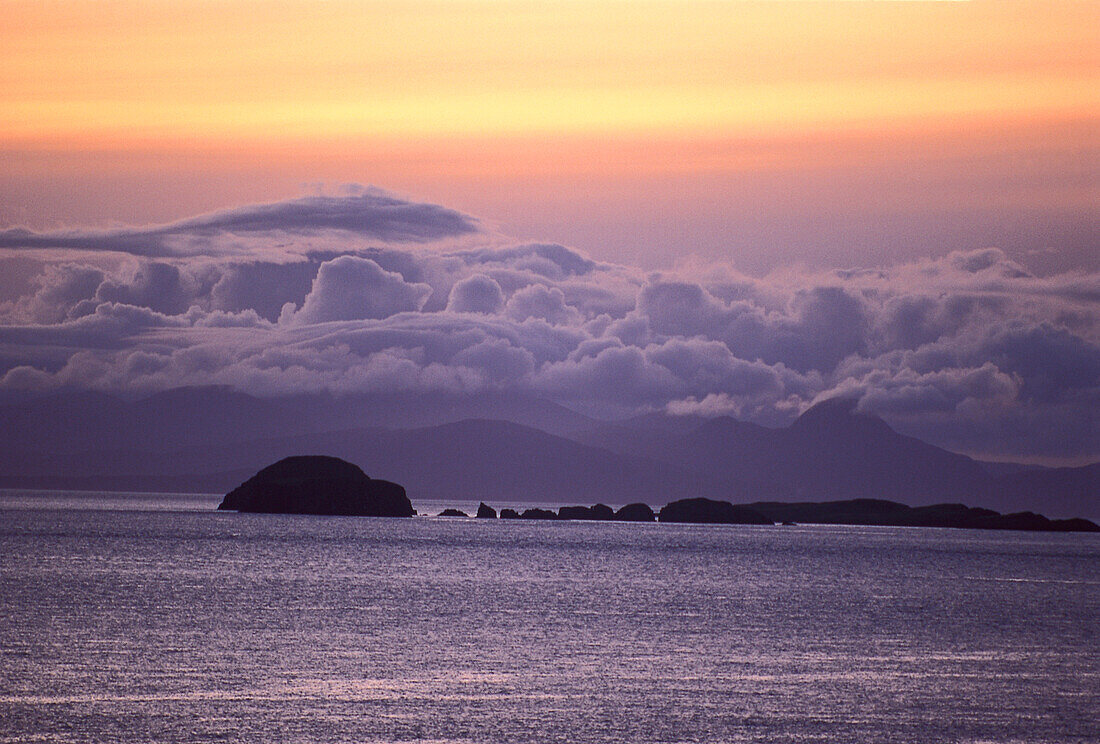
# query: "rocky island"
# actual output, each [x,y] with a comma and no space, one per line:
[883,513]
[709,511]
[316,484]
[867,512]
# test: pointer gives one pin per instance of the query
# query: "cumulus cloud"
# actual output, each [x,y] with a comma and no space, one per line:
[351,288]
[540,301]
[156,285]
[966,350]
[61,291]
[476,294]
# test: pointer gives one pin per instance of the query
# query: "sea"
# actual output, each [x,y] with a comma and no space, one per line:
[155,618]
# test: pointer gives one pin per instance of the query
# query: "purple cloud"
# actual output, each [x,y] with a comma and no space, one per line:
[369,215]
[545,303]
[476,294]
[964,350]
[351,288]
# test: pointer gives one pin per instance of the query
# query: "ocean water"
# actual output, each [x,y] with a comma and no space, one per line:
[152,618]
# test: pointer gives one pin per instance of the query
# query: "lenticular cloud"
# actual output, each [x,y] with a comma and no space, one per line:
[368,292]
[364,214]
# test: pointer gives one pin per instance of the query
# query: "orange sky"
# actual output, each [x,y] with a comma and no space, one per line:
[93,74]
[255,98]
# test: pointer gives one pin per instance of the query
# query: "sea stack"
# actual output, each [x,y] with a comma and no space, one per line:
[316,484]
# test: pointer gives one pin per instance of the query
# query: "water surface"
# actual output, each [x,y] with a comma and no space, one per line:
[169,622]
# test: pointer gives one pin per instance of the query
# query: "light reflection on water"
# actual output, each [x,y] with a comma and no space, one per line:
[195,626]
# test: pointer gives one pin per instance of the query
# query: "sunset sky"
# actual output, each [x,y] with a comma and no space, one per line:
[760,133]
[719,208]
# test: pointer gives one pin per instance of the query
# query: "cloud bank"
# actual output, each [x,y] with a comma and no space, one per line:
[367,292]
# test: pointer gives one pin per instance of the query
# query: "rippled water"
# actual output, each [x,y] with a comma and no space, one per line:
[151,625]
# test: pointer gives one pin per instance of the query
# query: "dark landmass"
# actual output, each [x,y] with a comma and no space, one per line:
[1063,491]
[835,452]
[635,513]
[317,484]
[599,511]
[892,514]
[440,447]
[999,469]
[709,511]
[830,451]
[197,416]
[538,514]
[870,512]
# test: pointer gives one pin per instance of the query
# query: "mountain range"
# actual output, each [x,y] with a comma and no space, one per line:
[504,449]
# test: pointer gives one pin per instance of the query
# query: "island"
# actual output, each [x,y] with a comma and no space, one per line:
[883,513]
[537,513]
[709,511]
[599,512]
[635,513]
[866,512]
[318,484]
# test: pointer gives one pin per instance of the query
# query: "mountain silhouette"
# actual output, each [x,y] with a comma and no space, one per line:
[834,451]
[506,447]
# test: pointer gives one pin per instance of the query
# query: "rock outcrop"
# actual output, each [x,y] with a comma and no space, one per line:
[883,513]
[635,513]
[453,513]
[484,511]
[599,512]
[709,511]
[316,484]
[538,514]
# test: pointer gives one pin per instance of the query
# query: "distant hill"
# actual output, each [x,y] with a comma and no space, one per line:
[473,459]
[508,448]
[831,452]
[1061,491]
[75,421]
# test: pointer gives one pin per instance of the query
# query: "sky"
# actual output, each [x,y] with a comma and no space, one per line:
[830,133]
[723,207]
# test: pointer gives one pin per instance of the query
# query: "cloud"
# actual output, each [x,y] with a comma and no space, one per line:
[60,292]
[545,303]
[548,260]
[263,287]
[966,350]
[369,214]
[476,294]
[352,288]
[156,285]
[818,327]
